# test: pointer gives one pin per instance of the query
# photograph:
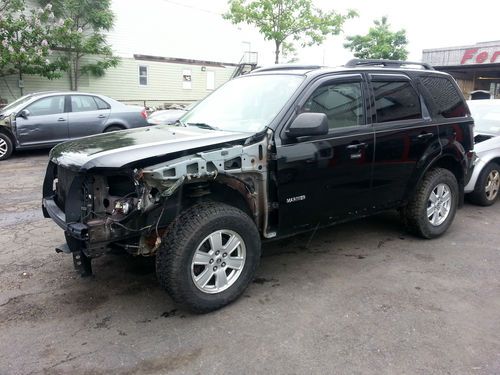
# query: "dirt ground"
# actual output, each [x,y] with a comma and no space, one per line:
[359,298]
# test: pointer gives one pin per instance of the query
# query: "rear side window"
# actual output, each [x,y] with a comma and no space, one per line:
[396,101]
[446,97]
[101,104]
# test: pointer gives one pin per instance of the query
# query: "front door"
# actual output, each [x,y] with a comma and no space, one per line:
[46,122]
[327,178]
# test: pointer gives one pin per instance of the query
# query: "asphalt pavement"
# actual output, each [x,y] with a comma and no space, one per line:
[359,298]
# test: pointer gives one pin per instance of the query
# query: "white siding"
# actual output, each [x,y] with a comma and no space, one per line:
[165,83]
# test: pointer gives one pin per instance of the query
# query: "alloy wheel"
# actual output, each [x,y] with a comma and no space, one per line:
[218,261]
[492,185]
[439,204]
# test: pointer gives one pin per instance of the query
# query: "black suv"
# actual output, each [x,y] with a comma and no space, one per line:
[279,151]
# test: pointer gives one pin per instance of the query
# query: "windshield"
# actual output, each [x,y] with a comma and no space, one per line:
[486,114]
[16,102]
[246,104]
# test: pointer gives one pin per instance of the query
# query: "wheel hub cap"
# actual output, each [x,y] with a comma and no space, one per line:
[492,185]
[3,147]
[439,204]
[218,261]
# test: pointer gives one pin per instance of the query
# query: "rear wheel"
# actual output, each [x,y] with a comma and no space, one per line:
[6,146]
[432,209]
[113,128]
[487,185]
[208,256]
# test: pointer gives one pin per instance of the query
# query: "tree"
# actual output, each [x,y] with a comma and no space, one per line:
[26,40]
[379,43]
[88,20]
[287,21]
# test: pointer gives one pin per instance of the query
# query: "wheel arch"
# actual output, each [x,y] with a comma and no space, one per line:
[9,134]
[116,124]
[445,161]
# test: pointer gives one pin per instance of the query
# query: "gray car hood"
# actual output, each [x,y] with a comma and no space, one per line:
[117,149]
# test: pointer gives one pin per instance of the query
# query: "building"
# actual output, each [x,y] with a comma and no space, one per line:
[145,80]
[475,67]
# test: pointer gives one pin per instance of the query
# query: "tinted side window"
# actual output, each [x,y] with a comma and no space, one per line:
[101,104]
[396,101]
[82,103]
[341,102]
[445,96]
[47,106]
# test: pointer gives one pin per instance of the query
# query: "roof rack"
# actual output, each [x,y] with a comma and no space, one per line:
[286,67]
[354,63]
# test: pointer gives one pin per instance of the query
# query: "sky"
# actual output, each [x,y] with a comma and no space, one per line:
[194,29]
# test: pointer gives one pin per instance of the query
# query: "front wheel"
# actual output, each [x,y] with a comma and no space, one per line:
[432,209]
[208,256]
[6,146]
[487,186]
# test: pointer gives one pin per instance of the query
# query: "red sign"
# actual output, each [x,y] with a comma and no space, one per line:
[479,58]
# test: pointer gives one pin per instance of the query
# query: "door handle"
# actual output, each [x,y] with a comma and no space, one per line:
[356,146]
[61,119]
[425,136]
[101,116]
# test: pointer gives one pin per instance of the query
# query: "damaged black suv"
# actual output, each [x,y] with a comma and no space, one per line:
[276,152]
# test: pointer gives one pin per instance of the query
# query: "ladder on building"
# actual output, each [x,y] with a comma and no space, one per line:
[247,63]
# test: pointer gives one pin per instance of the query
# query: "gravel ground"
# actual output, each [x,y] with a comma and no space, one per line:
[359,298]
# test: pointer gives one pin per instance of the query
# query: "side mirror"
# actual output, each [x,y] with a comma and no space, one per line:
[24,114]
[307,124]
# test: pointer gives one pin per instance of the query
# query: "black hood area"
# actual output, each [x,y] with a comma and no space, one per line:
[131,147]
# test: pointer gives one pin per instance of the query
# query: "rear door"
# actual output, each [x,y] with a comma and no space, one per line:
[404,134]
[323,179]
[46,123]
[88,115]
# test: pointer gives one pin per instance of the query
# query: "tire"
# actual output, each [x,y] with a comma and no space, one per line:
[113,128]
[6,147]
[191,233]
[442,185]
[487,186]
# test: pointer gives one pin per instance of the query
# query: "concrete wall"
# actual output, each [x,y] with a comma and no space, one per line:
[165,82]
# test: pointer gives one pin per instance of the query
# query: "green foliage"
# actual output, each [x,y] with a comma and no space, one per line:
[84,37]
[379,43]
[287,21]
[26,40]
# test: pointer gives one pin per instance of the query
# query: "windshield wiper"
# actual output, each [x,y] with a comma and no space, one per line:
[202,125]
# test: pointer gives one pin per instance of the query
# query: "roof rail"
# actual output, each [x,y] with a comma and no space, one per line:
[354,63]
[286,67]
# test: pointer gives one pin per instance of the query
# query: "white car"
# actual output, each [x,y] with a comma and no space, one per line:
[485,181]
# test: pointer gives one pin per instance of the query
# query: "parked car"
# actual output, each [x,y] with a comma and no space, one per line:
[44,119]
[485,180]
[168,116]
[273,153]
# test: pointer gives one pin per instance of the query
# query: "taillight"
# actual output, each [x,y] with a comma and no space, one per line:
[144,114]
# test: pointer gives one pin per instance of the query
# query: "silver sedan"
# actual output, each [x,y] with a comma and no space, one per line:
[44,119]
[484,184]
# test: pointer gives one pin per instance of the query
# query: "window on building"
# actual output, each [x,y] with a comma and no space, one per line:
[446,97]
[186,79]
[47,106]
[210,80]
[143,75]
[341,102]
[396,101]
[83,103]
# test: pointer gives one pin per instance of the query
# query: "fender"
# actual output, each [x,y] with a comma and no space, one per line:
[451,157]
